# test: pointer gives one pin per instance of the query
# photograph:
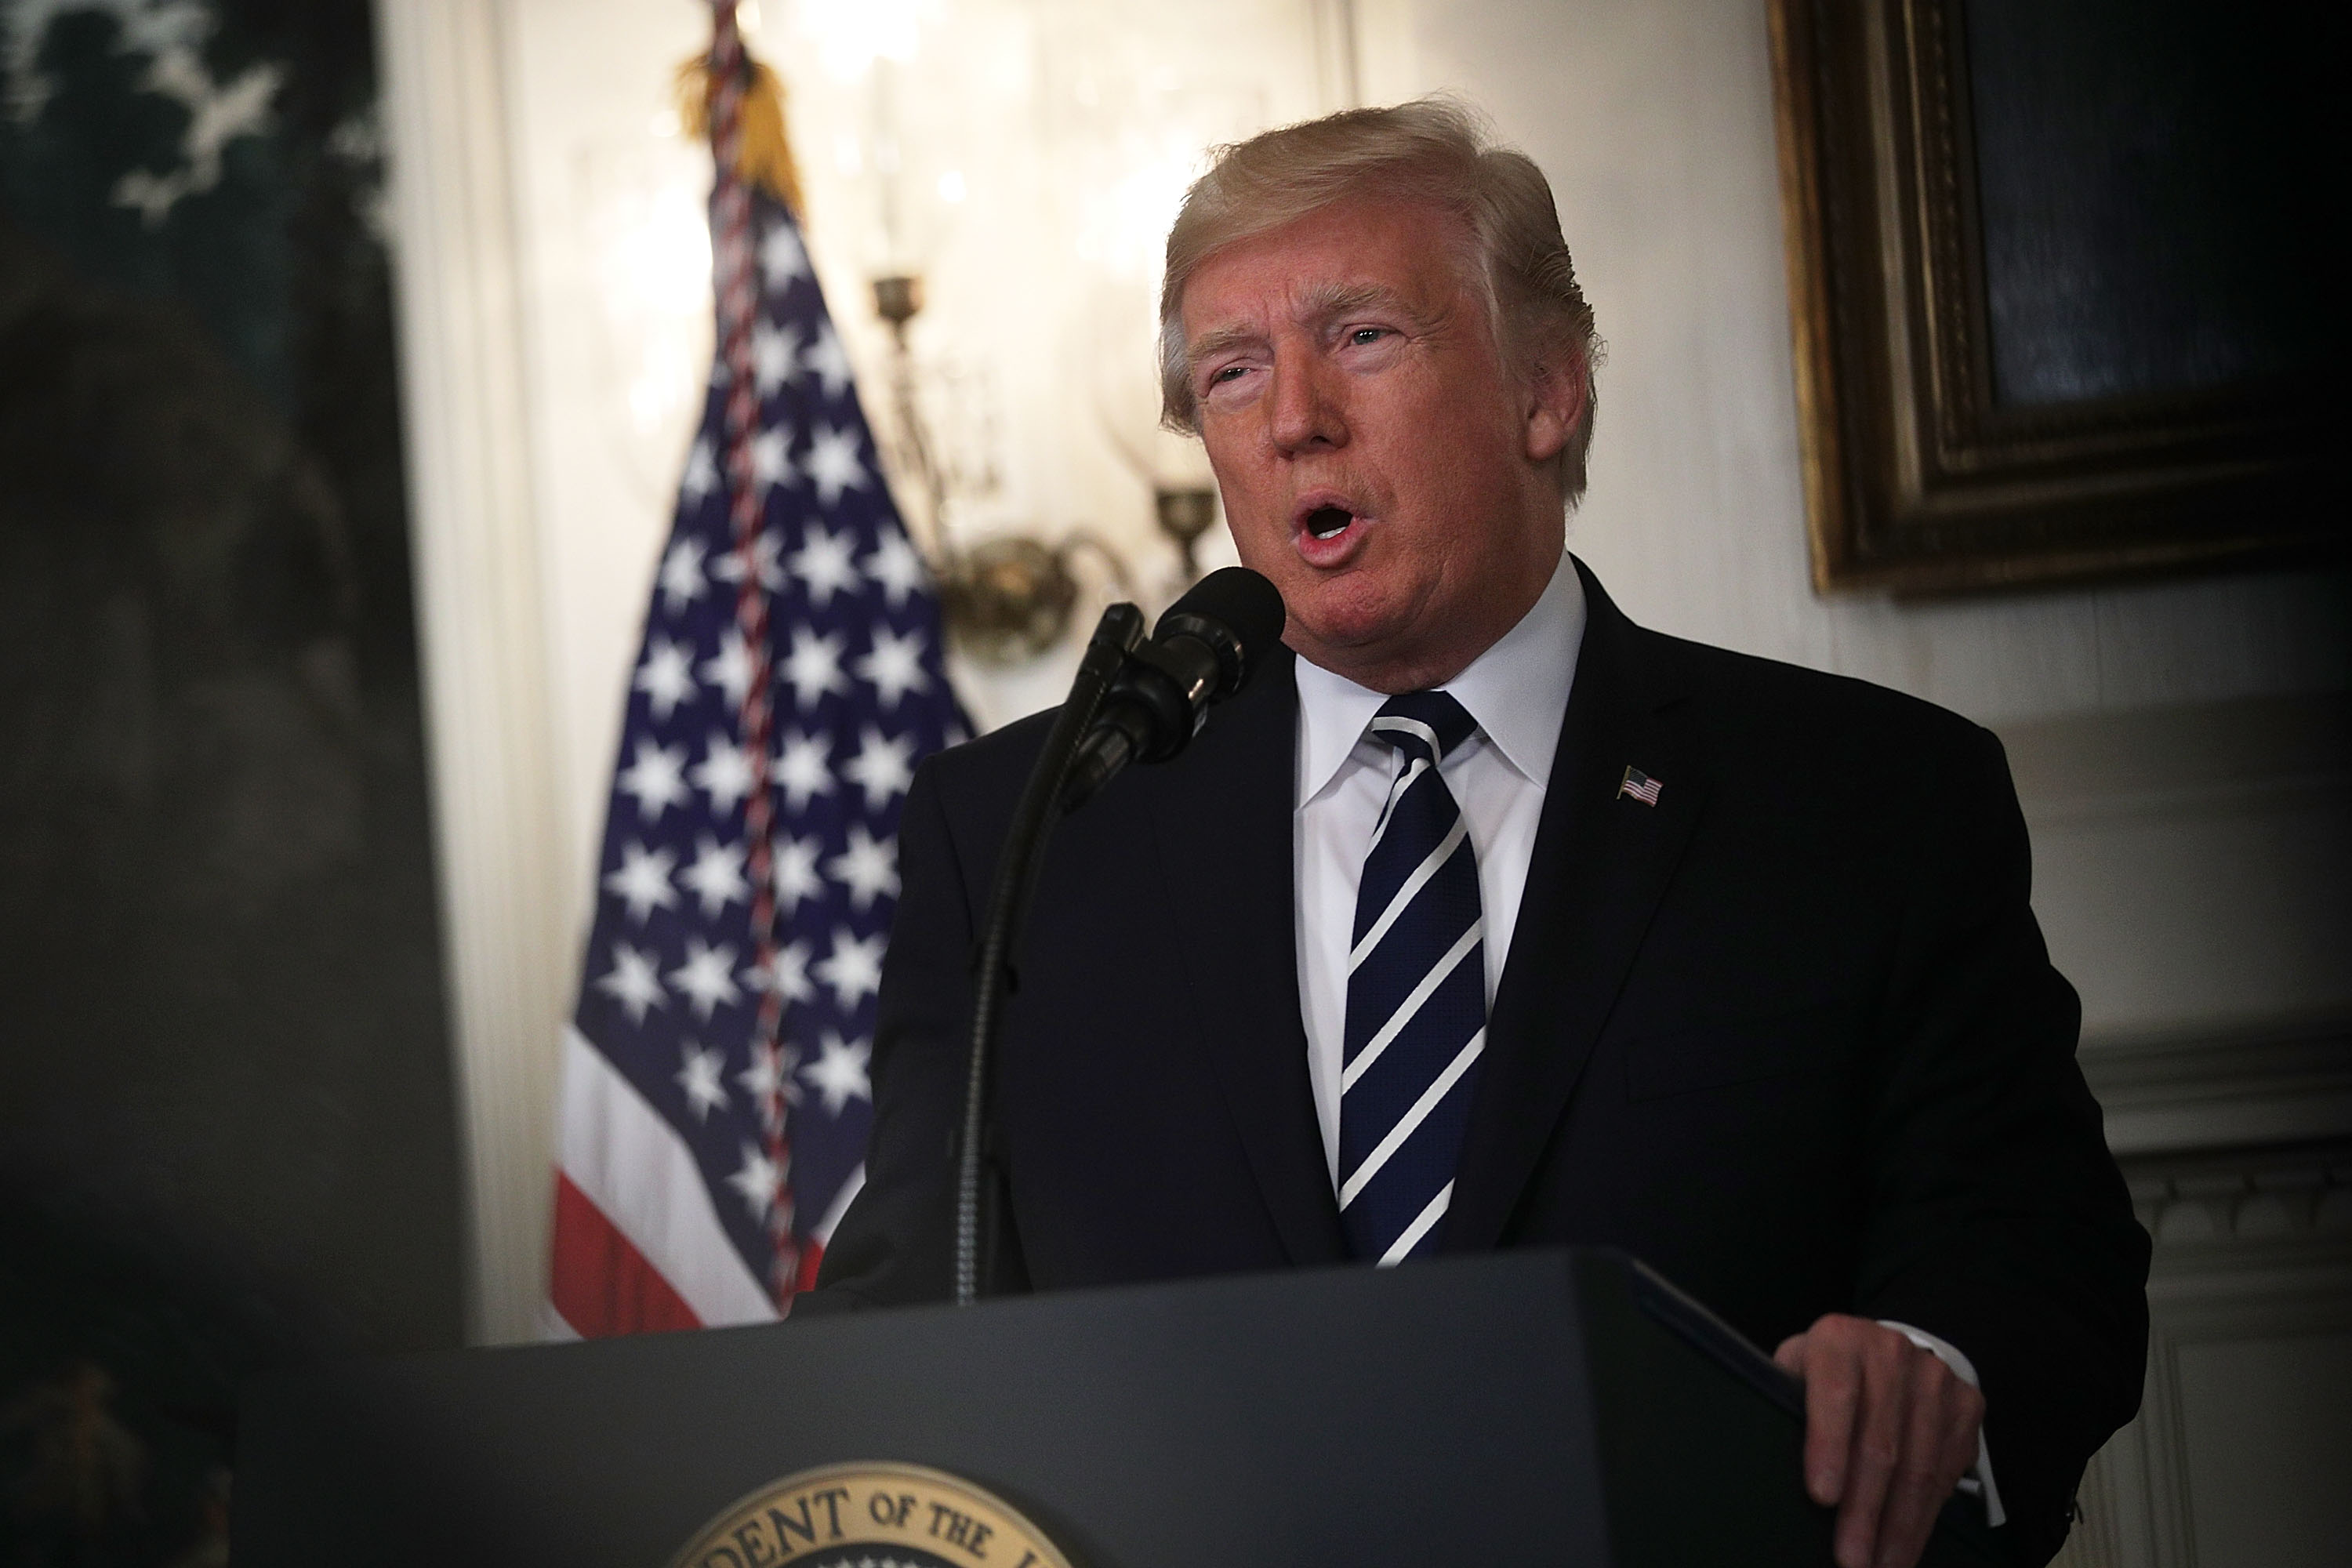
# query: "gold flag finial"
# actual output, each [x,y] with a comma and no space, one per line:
[765,157]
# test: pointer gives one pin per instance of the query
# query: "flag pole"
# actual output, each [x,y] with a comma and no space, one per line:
[731,75]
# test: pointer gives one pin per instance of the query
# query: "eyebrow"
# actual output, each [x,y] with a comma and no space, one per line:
[1320,303]
[1328,300]
[1208,345]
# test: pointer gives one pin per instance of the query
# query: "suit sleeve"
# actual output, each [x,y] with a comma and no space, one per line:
[896,1243]
[1999,1221]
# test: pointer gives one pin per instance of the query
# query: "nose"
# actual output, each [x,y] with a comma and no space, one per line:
[1304,405]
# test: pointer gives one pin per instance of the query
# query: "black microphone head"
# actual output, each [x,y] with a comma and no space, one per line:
[1236,614]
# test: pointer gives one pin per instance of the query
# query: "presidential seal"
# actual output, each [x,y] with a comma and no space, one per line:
[877,1515]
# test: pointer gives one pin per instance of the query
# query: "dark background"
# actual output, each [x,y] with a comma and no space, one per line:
[226,1136]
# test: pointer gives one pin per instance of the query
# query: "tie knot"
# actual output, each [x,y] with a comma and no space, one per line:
[1426,724]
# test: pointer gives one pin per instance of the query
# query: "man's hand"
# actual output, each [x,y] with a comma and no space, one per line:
[1888,1430]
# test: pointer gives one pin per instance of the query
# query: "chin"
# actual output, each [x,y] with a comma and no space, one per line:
[1348,631]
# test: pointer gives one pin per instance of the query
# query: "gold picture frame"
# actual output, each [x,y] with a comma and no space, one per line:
[1920,475]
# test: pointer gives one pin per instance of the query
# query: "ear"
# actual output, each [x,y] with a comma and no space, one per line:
[1555,405]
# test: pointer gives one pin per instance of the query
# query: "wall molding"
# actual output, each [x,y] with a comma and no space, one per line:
[2234,1211]
[507,957]
[2190,866]
[2251,1247]
[2281,1085]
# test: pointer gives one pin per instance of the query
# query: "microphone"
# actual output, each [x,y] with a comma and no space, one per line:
[1204,650]
[1126,702]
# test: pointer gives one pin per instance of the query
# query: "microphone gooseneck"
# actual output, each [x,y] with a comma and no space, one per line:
[1132,700]
[1115,638]
[1203,651]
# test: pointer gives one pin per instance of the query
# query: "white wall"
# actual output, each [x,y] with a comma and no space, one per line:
[480,605]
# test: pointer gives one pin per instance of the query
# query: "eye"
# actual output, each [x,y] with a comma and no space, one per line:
[1226,373]
[1361,335]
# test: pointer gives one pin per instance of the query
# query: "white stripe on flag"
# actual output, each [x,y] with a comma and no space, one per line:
[634,1168]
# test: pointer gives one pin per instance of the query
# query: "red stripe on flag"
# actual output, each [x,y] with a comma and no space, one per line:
[602,1284]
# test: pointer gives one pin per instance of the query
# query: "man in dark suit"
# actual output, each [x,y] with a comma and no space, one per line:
[1492,920]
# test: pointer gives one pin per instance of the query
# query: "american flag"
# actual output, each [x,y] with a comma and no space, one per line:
[716,1099]
[1641,786]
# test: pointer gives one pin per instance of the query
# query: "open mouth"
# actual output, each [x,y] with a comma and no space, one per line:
[1328,521]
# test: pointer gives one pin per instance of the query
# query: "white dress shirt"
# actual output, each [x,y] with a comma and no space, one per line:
[1517,691]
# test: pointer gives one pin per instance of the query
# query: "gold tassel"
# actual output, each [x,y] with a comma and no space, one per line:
[766,157]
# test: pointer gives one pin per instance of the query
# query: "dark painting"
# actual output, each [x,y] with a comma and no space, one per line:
[227,1137]
[2060,286]
[2150,192]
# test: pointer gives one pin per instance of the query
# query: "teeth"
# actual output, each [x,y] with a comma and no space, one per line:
[1326,521]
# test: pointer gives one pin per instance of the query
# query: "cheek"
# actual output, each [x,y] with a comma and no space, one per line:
[1254,544]
[1254,506]
[1467,458]
[1229,461]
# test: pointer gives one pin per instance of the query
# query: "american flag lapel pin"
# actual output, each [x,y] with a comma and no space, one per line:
[1641,786]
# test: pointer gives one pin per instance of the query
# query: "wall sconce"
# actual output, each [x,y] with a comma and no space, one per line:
[1174,467]
[1006,600]
[1185,513]
[1011,598]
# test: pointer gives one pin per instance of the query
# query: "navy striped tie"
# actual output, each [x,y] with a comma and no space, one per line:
[1416,995]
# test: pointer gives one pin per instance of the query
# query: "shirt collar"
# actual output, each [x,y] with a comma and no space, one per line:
[1517,691]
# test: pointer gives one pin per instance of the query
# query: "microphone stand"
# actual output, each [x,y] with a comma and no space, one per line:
[1115,637]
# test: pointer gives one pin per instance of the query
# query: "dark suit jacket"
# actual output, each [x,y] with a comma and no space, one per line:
[1791,1035]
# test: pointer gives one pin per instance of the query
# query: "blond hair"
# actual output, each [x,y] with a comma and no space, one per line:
[1433,150]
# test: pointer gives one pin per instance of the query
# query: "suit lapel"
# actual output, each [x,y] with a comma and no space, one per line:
[1223,818]
[1601,860]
